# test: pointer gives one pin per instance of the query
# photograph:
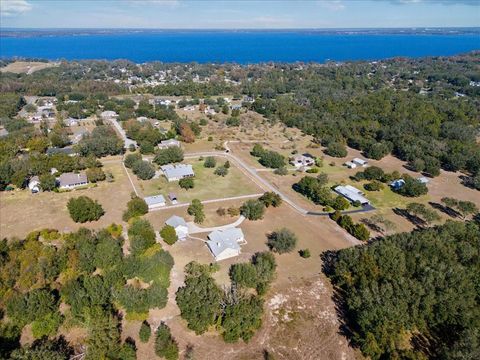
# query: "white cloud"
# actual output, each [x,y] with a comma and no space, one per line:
[167,3]
[333,5]
[14,7]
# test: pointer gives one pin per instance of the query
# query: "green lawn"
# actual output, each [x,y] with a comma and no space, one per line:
[207,184]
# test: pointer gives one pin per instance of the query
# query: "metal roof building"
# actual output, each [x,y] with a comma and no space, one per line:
[352,194]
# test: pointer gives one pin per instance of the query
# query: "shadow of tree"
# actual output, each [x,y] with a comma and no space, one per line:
[415,220]
[444,209]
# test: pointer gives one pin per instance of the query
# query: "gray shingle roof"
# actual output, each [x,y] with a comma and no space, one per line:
[71,179]
[177,171]
[220,240]
[154,200]
[176,221]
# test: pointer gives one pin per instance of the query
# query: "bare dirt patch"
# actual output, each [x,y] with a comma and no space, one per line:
[29,67]
[22,212]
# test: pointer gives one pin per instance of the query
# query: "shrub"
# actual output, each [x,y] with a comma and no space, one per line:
[232,121]
[271,199]
[135,207]
[373,173]
[336,150]
[282,241]
[169,234]
[169,155]
[253,209]
[375,185]
[143,169]
[141,235]
[196,209]
[145,332]
[340,203]
[131,159]
[281,171]
[233,211]
[165,344]
[221,171]
[335,216]
[47,326]
[83,209]
[210,162]
[186,183]
[244,274]
[95,174]
[221,211]
[313,170]
[305,253]
[48,182]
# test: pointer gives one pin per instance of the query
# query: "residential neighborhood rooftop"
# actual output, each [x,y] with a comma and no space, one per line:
[154,200]
[175,221]
[178,171]
[72,179]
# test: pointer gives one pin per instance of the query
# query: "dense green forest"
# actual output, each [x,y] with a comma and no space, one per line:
[54,282]
[412,295]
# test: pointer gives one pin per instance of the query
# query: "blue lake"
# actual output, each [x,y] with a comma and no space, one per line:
[236,46]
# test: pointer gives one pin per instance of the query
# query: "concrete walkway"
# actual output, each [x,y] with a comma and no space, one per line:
[195,229]
[209,201]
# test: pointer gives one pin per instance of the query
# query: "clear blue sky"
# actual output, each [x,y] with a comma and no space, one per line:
[238,14]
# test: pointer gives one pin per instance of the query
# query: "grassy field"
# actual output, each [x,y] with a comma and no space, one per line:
[207,184]
[22,212]
[29,67]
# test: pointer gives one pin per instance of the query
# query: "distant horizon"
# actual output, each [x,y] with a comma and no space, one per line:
[242,28]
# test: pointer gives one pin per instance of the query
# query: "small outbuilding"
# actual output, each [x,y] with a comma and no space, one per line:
[155,201]
[397,184]
[34,184]
[165,144]
[180,226]
[360,162]
[173,198]
[350,165]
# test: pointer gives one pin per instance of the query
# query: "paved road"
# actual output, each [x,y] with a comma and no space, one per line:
[252,174]
[195,229]
[209,201]
[264,184]
[123,134]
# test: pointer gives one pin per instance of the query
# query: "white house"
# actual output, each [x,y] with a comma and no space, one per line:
[302,161]
[352,194]
[108,114]
[168,143]
[180,226]
[72,180]
[360,162]
[224,244]
[34,184]
[177,172]
[155,201]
